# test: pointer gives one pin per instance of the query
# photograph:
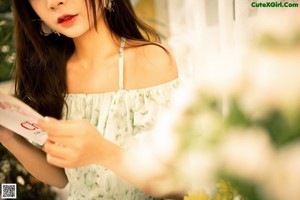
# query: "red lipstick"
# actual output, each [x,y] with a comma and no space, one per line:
[66,20]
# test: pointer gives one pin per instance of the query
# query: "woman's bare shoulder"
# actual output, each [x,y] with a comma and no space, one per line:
[150,65]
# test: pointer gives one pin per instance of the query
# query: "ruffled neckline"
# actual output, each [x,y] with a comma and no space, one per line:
[125,90]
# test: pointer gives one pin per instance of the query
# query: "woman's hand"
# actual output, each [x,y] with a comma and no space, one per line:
[5,134]
[75,143]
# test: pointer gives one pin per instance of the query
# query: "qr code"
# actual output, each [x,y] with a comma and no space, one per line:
[8,191]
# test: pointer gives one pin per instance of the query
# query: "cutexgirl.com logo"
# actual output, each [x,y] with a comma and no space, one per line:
[276,4]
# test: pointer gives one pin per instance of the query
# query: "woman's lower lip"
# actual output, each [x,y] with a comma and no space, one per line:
[69,21]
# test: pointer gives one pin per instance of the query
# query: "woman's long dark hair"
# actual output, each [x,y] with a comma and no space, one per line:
[40,78]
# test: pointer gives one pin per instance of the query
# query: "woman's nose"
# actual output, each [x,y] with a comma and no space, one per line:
[54,4]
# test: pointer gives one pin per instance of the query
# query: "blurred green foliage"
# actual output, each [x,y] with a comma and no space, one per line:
[7,55]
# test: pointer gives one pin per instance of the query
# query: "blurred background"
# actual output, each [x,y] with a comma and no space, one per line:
[6,45]
[240,123]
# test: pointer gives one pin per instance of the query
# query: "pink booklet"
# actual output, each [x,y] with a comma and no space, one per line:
[22,119]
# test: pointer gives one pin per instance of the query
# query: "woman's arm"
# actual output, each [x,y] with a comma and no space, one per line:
[33,159]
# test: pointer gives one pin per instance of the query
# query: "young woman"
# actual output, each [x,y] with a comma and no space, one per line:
[100,75]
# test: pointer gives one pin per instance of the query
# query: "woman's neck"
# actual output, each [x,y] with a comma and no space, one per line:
[94,45]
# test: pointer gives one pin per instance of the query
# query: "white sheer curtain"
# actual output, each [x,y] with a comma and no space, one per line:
[202,29]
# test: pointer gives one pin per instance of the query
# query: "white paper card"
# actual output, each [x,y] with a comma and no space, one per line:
[20,118]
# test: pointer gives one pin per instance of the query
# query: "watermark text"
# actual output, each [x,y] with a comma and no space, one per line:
[274,4]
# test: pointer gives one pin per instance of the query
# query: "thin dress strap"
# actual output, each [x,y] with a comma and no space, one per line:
[121,63]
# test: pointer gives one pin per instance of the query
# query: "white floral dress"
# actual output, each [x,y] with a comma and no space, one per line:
[119,116]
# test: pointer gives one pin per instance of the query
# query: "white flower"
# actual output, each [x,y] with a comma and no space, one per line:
[198,168]
[246,154]
[222,77]
[272,82]
[284,176]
